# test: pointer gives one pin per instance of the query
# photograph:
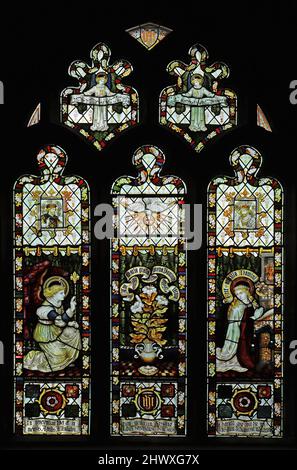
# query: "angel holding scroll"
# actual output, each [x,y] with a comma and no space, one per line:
[101,90]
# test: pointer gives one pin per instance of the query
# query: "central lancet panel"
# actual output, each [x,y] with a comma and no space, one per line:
[148,310]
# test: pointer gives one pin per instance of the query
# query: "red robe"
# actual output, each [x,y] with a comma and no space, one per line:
[244,354]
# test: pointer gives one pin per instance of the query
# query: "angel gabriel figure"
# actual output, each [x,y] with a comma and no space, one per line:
[238,290]
[56,333]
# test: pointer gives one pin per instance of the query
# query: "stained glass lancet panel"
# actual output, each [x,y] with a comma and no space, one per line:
[245,301]
[197,107]
[148,312]
[52,308]
[101,106]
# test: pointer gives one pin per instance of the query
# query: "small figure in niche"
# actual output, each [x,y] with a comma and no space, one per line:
[50,218]
[245,215]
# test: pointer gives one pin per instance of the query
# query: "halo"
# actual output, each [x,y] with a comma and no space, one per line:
[240,276]
[245,281]
[57,280]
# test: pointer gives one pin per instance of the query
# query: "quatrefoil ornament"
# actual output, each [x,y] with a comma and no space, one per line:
[101,106]
[197,108]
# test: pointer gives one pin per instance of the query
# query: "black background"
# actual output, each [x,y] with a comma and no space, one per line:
[38,43]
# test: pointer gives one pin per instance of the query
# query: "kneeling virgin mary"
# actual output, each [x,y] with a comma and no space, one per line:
[235,355]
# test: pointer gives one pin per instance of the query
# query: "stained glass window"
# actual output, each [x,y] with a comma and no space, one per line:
[148,291]
[197,108]
[245,301]
[262,120]
[149,34]
[52,307]
[101,106]
[35,116]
